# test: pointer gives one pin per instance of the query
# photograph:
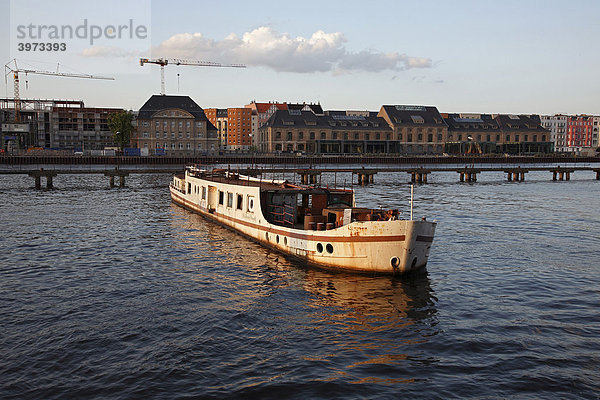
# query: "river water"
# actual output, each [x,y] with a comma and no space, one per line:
[118,293]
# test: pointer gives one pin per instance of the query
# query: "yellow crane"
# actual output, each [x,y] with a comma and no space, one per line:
[13,68]
[166,61]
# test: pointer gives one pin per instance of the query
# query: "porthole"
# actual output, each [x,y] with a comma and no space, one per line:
[277,238]
[319,247]
[329,248]
[395,261]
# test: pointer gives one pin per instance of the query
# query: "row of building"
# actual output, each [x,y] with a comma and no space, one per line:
[176,125]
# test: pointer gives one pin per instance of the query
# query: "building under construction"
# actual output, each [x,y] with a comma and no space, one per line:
[53,124]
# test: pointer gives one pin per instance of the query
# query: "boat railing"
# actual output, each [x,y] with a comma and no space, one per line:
[282,214]
[176,188]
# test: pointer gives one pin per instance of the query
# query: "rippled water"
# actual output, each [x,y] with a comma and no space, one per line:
[117,293]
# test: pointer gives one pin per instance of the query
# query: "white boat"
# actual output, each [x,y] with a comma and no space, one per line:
[318,225]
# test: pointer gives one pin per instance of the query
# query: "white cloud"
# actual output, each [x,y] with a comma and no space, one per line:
[265,47]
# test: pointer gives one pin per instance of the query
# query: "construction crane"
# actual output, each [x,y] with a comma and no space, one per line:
[15,70]
[166,61]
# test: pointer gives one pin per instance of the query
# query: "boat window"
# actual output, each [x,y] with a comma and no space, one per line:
[229,199]
[329,248]
[251,203]
[319,247]
[203,192]
[221,198]
[240,201]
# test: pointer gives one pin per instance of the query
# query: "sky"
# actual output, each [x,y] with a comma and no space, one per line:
[526,56]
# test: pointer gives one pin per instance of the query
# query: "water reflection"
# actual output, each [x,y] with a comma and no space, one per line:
[358,328]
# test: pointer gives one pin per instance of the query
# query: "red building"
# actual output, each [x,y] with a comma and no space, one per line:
[579,131]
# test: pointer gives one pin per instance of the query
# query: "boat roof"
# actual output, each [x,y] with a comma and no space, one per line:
[233,178]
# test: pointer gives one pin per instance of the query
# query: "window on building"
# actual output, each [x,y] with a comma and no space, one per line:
[430,137]
[410,137]
[180,146]
[323,135]
[278,135]
[507,138]
[311,135]
[367,136]
[289,136]
[300,135]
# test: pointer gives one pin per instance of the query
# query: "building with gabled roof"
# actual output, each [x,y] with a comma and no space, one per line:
[417,129]
[333,132]
[496,133]
[174,125]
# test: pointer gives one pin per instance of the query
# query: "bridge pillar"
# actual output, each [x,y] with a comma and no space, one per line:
[561,175]
[122,181]
[462,176]
[567,176]
[49,184]
[598,175]
[522,176]
[38,182]
[112,181]
[424,178]
[554,175]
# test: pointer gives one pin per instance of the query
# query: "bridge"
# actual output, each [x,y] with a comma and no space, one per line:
[307,169]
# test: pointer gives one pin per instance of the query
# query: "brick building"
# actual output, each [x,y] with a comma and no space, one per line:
[330,133]
[496,133]
[416,129]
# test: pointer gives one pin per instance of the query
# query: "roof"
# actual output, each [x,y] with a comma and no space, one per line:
[519,122]
[476,122]
[316,108]
[412,115]
[264,107]
[337,120]
[158,103]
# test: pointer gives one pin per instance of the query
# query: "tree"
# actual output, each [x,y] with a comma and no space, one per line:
[121,126]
